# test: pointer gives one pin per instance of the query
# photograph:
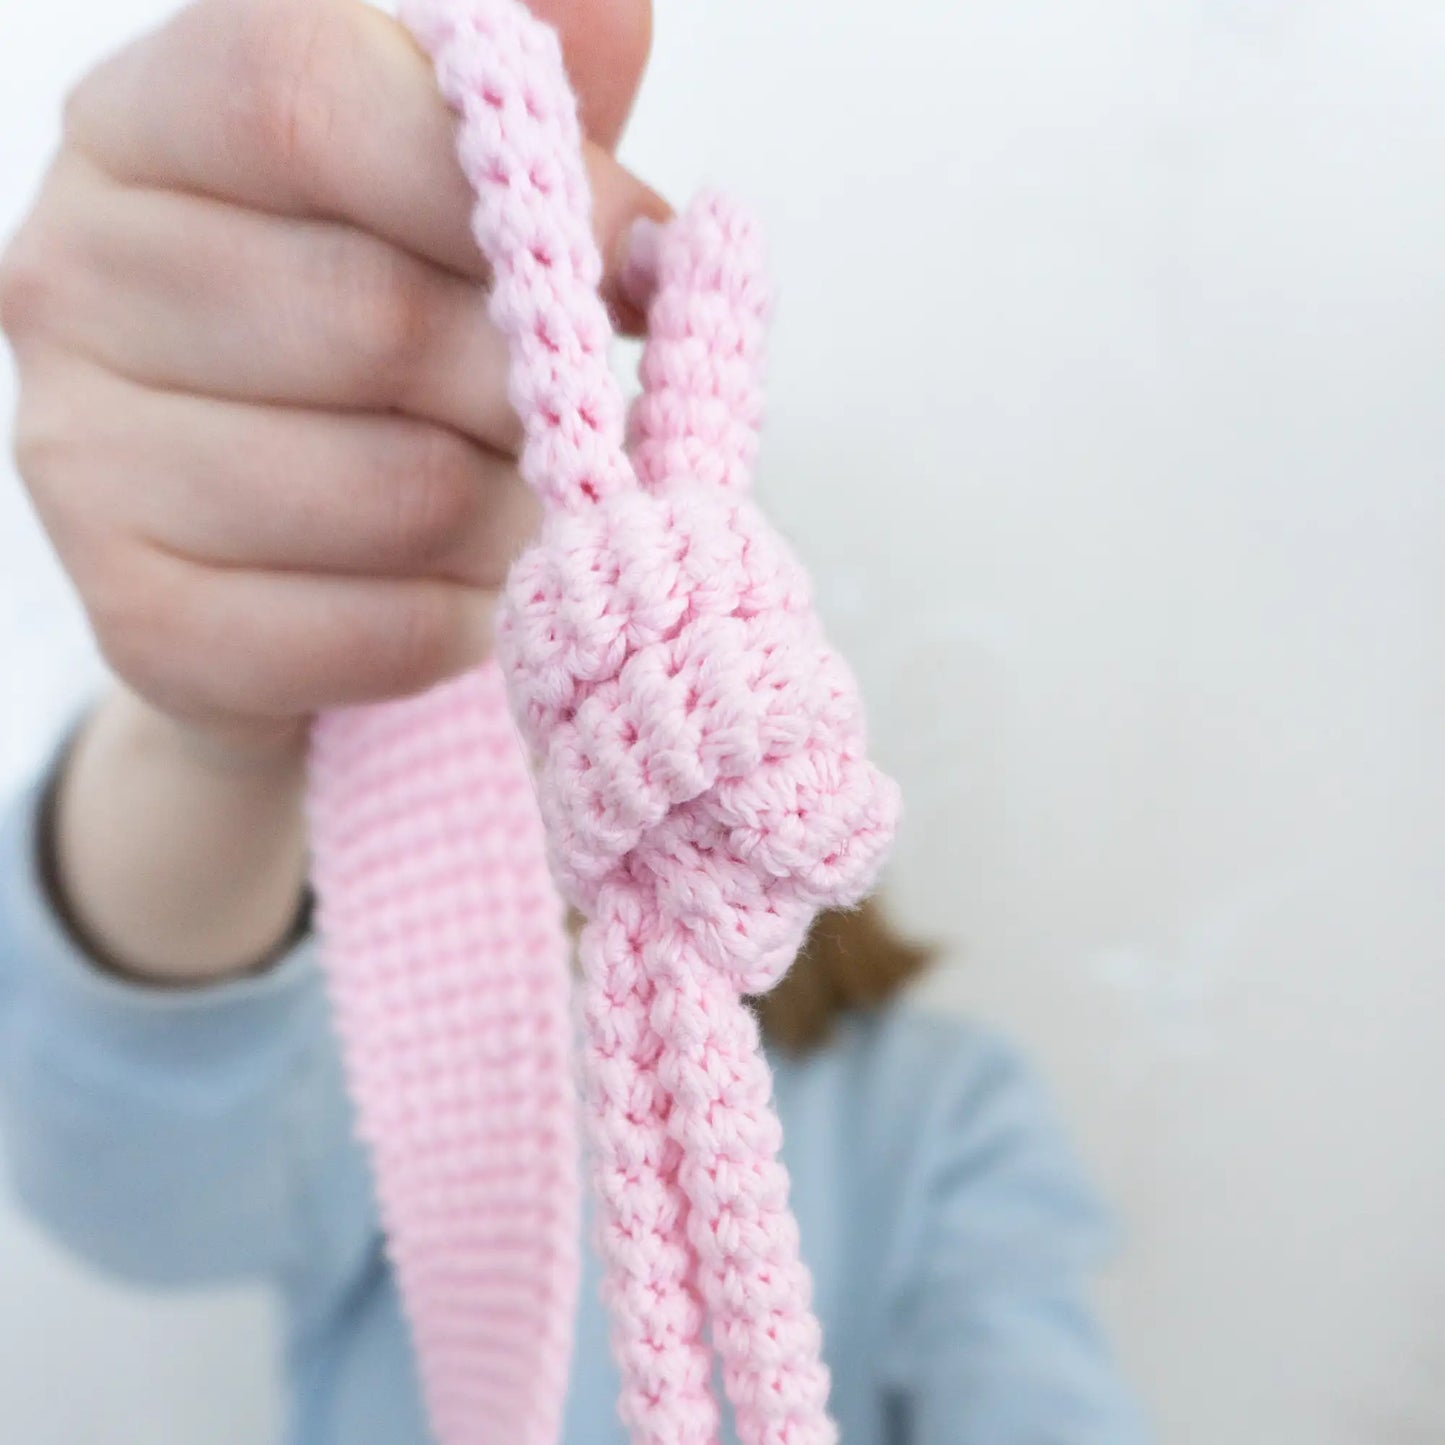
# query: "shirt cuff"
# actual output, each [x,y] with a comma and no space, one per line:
[163,1028]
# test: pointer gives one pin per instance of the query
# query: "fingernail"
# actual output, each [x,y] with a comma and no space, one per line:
[637,275]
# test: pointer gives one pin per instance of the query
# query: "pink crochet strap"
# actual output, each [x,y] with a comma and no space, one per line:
[700,788]
[447,963]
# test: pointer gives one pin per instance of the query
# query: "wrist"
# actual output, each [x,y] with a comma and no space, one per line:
[177,859]
[265,754]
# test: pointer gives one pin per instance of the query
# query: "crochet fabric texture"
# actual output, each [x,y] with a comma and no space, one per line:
[665,740]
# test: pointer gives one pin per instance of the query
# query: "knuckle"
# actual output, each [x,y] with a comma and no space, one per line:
[137,624]
[432,497]
[84,108]
[29,285]
[76,107]
[392,323]
[45,446]
[420,645]
[286,57]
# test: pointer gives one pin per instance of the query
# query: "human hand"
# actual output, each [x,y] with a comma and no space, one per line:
[263,414]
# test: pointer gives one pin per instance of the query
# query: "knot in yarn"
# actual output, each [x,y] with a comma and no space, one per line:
[697,788]
[692,727]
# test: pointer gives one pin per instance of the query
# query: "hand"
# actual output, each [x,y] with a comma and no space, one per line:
[262,412]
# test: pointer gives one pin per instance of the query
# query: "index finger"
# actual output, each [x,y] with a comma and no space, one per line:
[312,108]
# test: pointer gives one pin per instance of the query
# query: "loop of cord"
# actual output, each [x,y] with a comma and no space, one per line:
[699,787]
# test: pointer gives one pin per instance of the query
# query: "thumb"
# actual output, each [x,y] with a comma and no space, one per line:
[605,44]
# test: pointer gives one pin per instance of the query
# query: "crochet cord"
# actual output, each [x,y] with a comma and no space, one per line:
[751,1275]
[701,405]
[701,789]
[520,143]
[649,1267]
[698,416]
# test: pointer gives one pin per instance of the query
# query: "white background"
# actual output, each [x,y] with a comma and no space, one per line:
[1107,407]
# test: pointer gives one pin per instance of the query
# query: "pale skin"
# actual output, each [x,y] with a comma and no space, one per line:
[263,419]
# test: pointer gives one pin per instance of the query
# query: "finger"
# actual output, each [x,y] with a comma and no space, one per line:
[201,641]
[320,108]
[262,308]
[230,484]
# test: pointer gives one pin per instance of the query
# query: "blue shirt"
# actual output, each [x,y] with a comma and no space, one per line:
[199,1136]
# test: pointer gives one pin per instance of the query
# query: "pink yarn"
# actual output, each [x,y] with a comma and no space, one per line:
[701,791]
[447,961]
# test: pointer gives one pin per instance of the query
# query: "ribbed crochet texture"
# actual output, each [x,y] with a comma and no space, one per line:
[667,741]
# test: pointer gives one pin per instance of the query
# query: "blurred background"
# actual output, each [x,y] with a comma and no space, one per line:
[1107,407]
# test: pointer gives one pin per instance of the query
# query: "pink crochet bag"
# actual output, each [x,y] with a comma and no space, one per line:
[666,741]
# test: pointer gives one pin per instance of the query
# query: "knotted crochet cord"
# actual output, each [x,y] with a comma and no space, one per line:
[666,740]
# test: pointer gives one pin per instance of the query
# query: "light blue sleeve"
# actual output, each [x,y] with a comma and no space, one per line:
[166,1136]
[996,1341]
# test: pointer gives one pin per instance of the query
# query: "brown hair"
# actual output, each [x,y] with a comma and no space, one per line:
[853,959]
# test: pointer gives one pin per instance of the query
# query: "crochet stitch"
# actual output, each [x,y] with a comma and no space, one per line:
[666,740]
